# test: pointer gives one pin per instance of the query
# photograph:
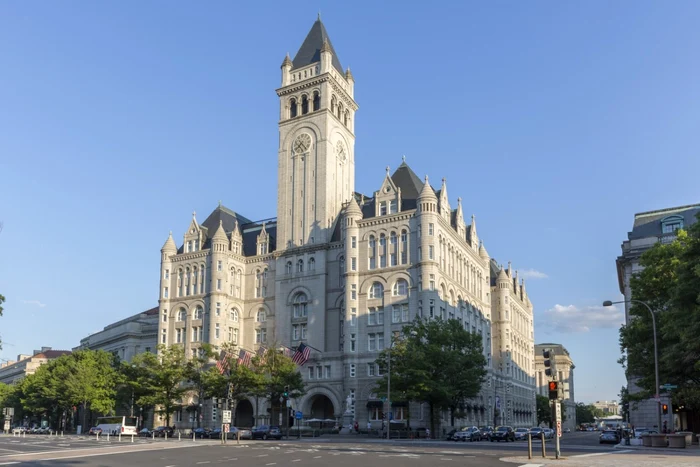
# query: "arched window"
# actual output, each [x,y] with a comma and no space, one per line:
[258,283]
[194,279]
[288,267]
[312,264]
[187,281]
[404,246]
[300,305]
[372,252]
[346,117]
[393,249]
[443,292]
[179,282]
[317,100]
[300,265]
[376,291]
[304,105]
[400,287]
[233,315]
[198,313]
[452,298]
[340,111]
[382,251]
[264,283]
[182,315]
[292,108]
[260,317]
[334,103]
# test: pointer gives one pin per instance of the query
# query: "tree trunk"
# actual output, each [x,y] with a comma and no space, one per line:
[432,419]
[452,416]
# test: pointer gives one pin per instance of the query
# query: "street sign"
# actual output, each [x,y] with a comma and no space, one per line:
[226,427]
[557,411]
[668,386]
[298,415]
[226,416]
[289,403]
[7,425]
[559,429]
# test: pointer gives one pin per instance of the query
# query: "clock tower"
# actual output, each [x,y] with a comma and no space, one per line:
[316,165]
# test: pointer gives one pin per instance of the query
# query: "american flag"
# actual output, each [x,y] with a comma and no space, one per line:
[244,357]
[222,362]
[286,351]
[302,354]
[261,353]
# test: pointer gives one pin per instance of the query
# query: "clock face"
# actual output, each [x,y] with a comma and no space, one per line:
[340,151]
[302,143]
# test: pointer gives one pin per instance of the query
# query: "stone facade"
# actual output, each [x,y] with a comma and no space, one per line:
[126,338]
[608,407]
[564,367]
[341,271]
[648,229]
[13,371]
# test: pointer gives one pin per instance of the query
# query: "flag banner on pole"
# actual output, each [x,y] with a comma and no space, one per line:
[222,362]
[286,351]
[262,350]
[244,357]
[302,354]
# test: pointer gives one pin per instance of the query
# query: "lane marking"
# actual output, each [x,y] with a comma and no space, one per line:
[532,465]
[594,454]
[262,455]
[204,462]
[9,463]
[445,459]
[317,457]
[296,460]
[272,463]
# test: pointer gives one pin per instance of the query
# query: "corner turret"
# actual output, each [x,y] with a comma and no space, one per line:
[219,242]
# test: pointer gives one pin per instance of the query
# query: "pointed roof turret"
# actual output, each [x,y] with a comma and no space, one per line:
[407,180]
[169,245]
[310,50]
[353,209]
[287,61]
[427,192]
[236,232]
[348,75]
[502,275]
[220,233]
[482,251]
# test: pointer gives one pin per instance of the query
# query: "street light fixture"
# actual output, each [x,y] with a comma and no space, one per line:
[656,353]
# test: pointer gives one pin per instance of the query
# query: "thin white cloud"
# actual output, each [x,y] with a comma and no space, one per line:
[533,274]
[572,319]
[34,302]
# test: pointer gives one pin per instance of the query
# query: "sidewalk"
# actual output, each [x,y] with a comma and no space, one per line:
[616,459]
[693,450]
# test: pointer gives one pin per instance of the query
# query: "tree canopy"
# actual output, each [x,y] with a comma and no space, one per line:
[437,362]
[670,285]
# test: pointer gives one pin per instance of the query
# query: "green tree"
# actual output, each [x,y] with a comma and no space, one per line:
[544,410]
[88,378]
[275,371]
[624,403]
[163,384]
[670,284]
[201,375]
[437,362]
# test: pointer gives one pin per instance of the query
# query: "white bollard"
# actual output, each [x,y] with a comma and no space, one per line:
[153,435]
[165,433]
[108,437]
[132,438]
[120,436]
[61,434]
[98,437]
[179,435]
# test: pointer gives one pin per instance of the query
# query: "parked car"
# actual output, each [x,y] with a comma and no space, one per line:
[161,431]
[548,433]
[567,430]
[145,432]
[503,433]
[205,433]
[609,436]
[233,433]
[95,431]
[266,432]
[521,434]
[536,433]
[638,433]
[450,434]
[485,432]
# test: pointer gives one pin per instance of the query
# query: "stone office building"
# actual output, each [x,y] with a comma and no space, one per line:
[342,271]
[564,367]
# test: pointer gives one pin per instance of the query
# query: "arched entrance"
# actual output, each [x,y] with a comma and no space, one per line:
[322,408]
[244,414]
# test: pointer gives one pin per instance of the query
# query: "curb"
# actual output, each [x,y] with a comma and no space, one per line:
[659,450]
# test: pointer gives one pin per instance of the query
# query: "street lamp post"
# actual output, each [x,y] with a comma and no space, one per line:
[656,354]
[388,392]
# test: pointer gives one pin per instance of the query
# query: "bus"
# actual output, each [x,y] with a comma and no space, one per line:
[116,425]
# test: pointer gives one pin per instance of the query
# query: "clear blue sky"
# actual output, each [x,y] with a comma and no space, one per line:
[554,122]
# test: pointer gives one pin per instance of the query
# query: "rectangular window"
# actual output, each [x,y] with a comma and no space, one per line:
[393,207]
[218,309]
[431,229]
[431,312]
[327,371]
[353,264]
[216,331]
[404,312]
[396,314]
[353,317]
[418,231]
[380,315]
[382,208]
[312,373]
[164,337]
[165,292]
[353,242]
[165,316]
[352,342]
[370,369]
[353,292]
[432,282]
[380,341]
[295,332]
[392,259]
[303,331]
[260,336]
[379,371]
[319,372]
[167,273]
[178,335]
[431,252]
[372,342]
[420,254]
[375,414]
[218,284]
[420,282]
[219,266]
[352,370]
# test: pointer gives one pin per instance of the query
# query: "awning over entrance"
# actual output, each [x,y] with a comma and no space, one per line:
[399,404]
[374,404]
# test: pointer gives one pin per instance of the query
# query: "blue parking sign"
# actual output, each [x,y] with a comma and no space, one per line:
[298,415]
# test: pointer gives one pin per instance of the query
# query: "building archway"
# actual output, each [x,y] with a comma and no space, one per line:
[244,414]
[321,407]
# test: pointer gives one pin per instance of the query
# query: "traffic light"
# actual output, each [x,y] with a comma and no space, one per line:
[286,392]
[664,408]
[553,390]
[548,370]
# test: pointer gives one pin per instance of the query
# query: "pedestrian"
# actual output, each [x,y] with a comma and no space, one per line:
[356,426]
[427,433]
[369,427]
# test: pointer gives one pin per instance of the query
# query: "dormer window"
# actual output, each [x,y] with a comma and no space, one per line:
[670,224]
[393,207]
[382,208]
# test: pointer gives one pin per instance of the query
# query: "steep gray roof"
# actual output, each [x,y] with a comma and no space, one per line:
[408,181]
[226,216]
[310,50]
[648,224]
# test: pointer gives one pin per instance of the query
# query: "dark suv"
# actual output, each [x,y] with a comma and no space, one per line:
[161,431]
[267,432]
[503,433]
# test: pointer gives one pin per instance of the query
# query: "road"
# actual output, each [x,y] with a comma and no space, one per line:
[80,451]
